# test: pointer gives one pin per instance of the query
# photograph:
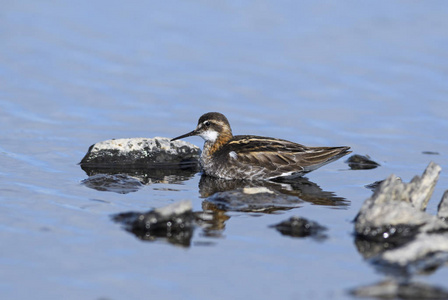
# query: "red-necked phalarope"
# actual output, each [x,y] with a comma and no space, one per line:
[254,157]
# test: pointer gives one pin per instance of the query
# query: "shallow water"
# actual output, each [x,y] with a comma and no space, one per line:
[73,74]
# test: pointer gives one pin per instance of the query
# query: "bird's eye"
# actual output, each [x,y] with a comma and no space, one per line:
[207,123]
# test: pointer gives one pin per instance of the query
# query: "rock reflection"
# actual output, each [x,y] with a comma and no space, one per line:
[174,223]
[391,289]
[396,235]
[125,180]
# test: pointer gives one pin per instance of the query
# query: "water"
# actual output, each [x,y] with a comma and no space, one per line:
[373,77]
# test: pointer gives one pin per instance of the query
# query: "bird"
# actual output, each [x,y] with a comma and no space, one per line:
[252,157]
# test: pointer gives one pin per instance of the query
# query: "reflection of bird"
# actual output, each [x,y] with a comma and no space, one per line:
[255,157]
[301,187]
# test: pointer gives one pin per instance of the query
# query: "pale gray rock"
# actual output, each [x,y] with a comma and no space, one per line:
[396,203]
[141,152]
[397,227]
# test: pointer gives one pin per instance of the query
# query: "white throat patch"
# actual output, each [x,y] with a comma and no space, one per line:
[209,135]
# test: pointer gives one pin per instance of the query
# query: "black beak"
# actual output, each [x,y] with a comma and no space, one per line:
[194,132]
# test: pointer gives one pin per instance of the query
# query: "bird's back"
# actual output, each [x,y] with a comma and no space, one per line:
[256,157]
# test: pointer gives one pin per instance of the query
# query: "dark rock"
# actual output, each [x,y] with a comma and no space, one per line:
[175,223]
[142,152]
[430,153]
[301,227]
[360,162]
[373,186]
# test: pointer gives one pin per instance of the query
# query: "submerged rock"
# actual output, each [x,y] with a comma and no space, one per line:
[373,186]
[301,227]
[141,152]
[174,222]
[393,228]
[361,162]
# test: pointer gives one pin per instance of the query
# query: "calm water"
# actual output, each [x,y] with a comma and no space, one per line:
[76,73]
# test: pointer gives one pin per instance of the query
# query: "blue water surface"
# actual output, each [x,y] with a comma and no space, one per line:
[372,76]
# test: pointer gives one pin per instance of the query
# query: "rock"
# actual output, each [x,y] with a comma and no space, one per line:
[393,229]
[397,205]
[360,162]
[431,153]
[373,186]
[141,152]
[174,222]
[301,227]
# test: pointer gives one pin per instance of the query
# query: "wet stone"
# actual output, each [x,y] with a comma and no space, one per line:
[140,152]
[301,227]
[431,153]
[397,204]
[373,186]
[361,162]
[394,231]
[175,223]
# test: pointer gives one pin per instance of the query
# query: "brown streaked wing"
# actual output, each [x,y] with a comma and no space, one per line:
[251,143]
[317,155]
[283,156]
